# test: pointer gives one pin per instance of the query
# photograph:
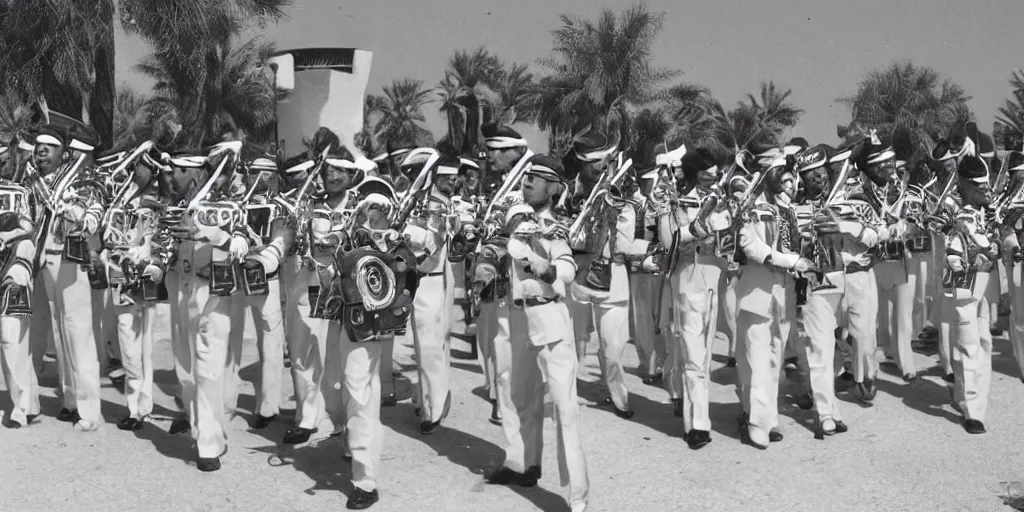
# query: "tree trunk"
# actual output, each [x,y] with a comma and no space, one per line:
[98,107]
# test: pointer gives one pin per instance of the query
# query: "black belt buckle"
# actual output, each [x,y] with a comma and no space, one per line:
[15,301]
[254,281]
[97,276]
[149,290]
[76,249]
[223,280]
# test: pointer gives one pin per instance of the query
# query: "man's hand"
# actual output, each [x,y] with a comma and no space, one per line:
[804,265]
[719,220]
[90,224]
[538,266]
[956,263]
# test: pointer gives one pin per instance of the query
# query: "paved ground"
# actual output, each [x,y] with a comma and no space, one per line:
[907,452]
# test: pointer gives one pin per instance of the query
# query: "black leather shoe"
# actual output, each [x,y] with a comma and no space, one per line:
[298,435]
[805,401]
[428,427]
[259,421]
[627,414]
[533,472]
[653,380]
[677,407]
[389,400]
[9,423]
[697,439]
[66,414]
[179,426]
[361,499]
[841,428]
[731,363]
[495,416]
[129,423]
[31,418]
[909,377]
[974,427]
[867,390]
[209,464]
[950,378]
[506,476]
[775,435]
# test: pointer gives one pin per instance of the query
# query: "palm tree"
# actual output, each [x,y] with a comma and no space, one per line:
[601,71]
[1011,114]
[61,52]
[479,88]
[399,112]
[911,106]
[757,120]
[211,84]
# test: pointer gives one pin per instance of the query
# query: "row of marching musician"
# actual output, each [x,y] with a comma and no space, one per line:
[854,236]
[331,261]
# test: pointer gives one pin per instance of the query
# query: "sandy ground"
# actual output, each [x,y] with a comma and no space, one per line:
[906,452]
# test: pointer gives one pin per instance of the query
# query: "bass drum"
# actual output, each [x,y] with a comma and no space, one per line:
[377,289]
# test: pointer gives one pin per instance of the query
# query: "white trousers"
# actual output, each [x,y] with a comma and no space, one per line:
[268,320]
[650,341]
[896,290]
[429,326]
[207,324]
[135,336]
[307,348]
[18,370]
[358,403]
[550,368]
[67,287]
[1015,282]
[972,355]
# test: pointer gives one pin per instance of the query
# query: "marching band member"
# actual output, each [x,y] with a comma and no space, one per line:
[769,244]
[820,355]
[129,246]
[208,249]
[429,237]
[544,358]
[644,287]
[970,258]
[175,185]
[265,306]
[69,219]
[897,273]
[17,251]
[308,340]
[602,288]
[1012,254]
[694,276]
[507,152]
[360,361]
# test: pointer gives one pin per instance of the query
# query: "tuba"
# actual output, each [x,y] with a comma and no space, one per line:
[375,276]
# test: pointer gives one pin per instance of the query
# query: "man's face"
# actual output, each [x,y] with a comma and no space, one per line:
[537,191]
[591,171]
[471,181]
[707,177]
[337,181]
[787,185]
[446,184]
[502,160]
[48,157]
[815,181]
[975,193]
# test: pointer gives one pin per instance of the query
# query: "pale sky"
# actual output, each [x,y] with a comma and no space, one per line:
[819,49]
